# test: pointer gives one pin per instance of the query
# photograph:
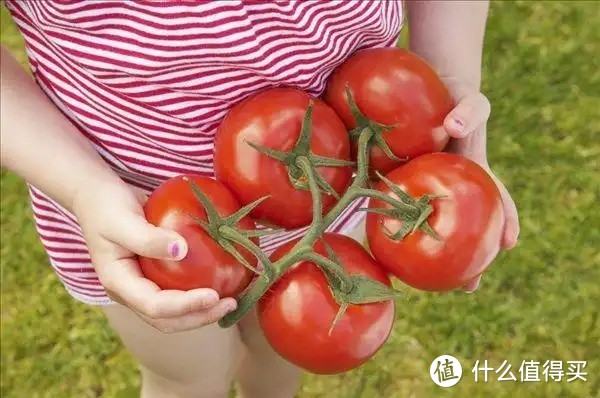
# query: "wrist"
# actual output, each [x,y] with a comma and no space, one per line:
[460,87]
[91,190]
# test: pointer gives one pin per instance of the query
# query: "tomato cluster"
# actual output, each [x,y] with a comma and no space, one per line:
[284,159]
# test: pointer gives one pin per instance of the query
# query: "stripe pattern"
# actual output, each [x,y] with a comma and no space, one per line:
[148,83]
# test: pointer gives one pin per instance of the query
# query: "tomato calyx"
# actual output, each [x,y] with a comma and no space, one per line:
[224,230]
[413,212]
[298,178]
[349,289]
[378,129]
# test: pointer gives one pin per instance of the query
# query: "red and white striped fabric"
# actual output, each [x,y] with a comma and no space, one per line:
[149,82]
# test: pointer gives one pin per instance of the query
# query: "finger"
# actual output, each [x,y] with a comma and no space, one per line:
[174,303]
[472,285]
[512,227]
[137,235]
[124,281]
[195,320]
[511,234]
[470,113]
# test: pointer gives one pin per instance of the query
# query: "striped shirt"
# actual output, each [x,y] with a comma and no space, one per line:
[148,83]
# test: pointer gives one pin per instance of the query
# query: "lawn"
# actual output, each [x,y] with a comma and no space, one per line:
[539,302]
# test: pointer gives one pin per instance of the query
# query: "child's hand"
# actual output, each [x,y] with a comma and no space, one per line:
[466,123]
[114,226]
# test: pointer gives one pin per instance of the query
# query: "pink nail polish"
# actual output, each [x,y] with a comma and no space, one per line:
[174,250]
[458,125]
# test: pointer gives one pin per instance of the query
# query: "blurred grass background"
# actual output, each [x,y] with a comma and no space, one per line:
[538,302]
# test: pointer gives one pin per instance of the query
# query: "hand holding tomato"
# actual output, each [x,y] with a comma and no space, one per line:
[466,124]
[116,231]
[207,264]
[439,223]
[436,221]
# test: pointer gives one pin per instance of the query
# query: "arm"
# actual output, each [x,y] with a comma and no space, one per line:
[43,147]
[449,35]
[40,144]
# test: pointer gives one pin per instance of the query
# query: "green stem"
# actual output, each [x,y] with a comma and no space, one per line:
[233,235]
[377,129]
[372,193]
[228,246]
[332,268]
[363,149]
[303,248]
[359,182]
[317,203]
[247,301]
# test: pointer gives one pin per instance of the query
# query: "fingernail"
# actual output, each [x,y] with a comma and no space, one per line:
[472,286]
[176,250]
[458,125]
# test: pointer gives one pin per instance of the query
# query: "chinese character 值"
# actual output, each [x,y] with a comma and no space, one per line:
[445,371]
[530,371]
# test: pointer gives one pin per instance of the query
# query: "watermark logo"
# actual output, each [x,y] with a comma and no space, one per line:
[532,371]
[445,371]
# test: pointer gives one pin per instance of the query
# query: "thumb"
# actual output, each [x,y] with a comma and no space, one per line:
[137,235]
[472,285]
[470,113]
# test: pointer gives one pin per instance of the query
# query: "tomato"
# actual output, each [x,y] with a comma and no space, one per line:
[207,264]
[469,221]
[393,86]
[297,312]
[273,119]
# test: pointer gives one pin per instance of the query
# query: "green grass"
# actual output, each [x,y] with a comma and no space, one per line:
[537,302]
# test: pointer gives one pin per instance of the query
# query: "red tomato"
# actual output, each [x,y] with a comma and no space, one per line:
[207,264]
[393,86]
[297,311]
[273,119]
[469,221]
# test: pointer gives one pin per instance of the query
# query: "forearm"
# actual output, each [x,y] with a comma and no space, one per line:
[40,144]
[449,35]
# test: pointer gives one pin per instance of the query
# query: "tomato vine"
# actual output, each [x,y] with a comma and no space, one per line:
[302,167]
